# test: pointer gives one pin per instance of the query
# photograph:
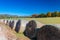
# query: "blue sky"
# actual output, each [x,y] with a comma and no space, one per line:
[28,7]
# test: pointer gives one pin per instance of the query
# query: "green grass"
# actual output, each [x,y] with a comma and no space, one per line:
[51,20]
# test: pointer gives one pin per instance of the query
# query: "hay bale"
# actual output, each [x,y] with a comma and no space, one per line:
[2,20]
[15,21]
[6,22]
[48,32]
[18,24]
[11,24]
[30,29]
[23,25]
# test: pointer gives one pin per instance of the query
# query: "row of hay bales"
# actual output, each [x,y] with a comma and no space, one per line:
[17,25]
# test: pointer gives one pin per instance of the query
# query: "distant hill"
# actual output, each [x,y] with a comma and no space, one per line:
[8,16]
[12,16]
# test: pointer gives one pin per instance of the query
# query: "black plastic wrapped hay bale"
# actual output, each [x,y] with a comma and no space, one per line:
[48,32]
[3,21]
[18,24]
[12,24]
[30,29]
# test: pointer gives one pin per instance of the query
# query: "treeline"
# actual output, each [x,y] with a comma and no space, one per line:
[49,14]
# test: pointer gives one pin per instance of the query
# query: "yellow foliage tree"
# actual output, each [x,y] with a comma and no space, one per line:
[49,14]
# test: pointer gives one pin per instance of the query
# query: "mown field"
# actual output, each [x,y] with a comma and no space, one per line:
[50,20]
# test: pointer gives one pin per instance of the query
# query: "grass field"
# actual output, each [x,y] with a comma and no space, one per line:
[49,20]
[53,20]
